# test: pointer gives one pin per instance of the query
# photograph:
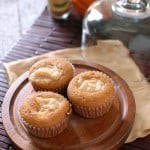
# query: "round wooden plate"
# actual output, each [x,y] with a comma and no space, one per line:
[106,132]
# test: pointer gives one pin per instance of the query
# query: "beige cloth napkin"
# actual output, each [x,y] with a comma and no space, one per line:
[114,55]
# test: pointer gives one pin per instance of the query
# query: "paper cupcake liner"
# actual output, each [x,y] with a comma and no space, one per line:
[46,132]
[92,112]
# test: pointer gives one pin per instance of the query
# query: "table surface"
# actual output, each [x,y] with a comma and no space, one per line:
[45,35]
[16,16]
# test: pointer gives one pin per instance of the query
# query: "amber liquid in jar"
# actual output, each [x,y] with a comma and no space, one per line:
[60,9]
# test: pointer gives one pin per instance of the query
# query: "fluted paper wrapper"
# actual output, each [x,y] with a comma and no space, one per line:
[114,55]
[46,132]
[92,112]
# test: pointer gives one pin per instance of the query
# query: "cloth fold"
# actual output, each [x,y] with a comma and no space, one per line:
[114,55]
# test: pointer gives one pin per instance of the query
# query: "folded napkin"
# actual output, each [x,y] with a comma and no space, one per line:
[114,55]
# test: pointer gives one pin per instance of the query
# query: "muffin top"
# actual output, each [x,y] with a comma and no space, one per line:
[91,88]
[90,84]
[51,73]
[44,109]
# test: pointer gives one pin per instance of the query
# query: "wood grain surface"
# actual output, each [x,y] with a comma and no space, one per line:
[44,36]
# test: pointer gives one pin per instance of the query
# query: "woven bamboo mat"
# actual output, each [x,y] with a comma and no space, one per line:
[47,35]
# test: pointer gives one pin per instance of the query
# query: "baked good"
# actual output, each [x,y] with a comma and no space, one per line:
[45,114]
[51,74]
[91,93]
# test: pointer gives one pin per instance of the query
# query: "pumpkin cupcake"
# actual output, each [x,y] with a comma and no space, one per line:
[91,93]
[45,114]
[51,74]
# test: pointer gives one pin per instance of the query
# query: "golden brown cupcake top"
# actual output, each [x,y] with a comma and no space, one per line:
[90,85]
[91,88]
[48,73]
[44,109]
[47,105]
[52,73]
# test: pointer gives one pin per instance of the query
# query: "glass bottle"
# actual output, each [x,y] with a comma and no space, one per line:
[126,20]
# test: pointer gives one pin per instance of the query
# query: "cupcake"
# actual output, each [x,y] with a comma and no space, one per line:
[51,74]
[45,114]
[91,93]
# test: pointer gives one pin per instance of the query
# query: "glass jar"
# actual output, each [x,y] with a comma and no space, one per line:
[60,9]
[126,20]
